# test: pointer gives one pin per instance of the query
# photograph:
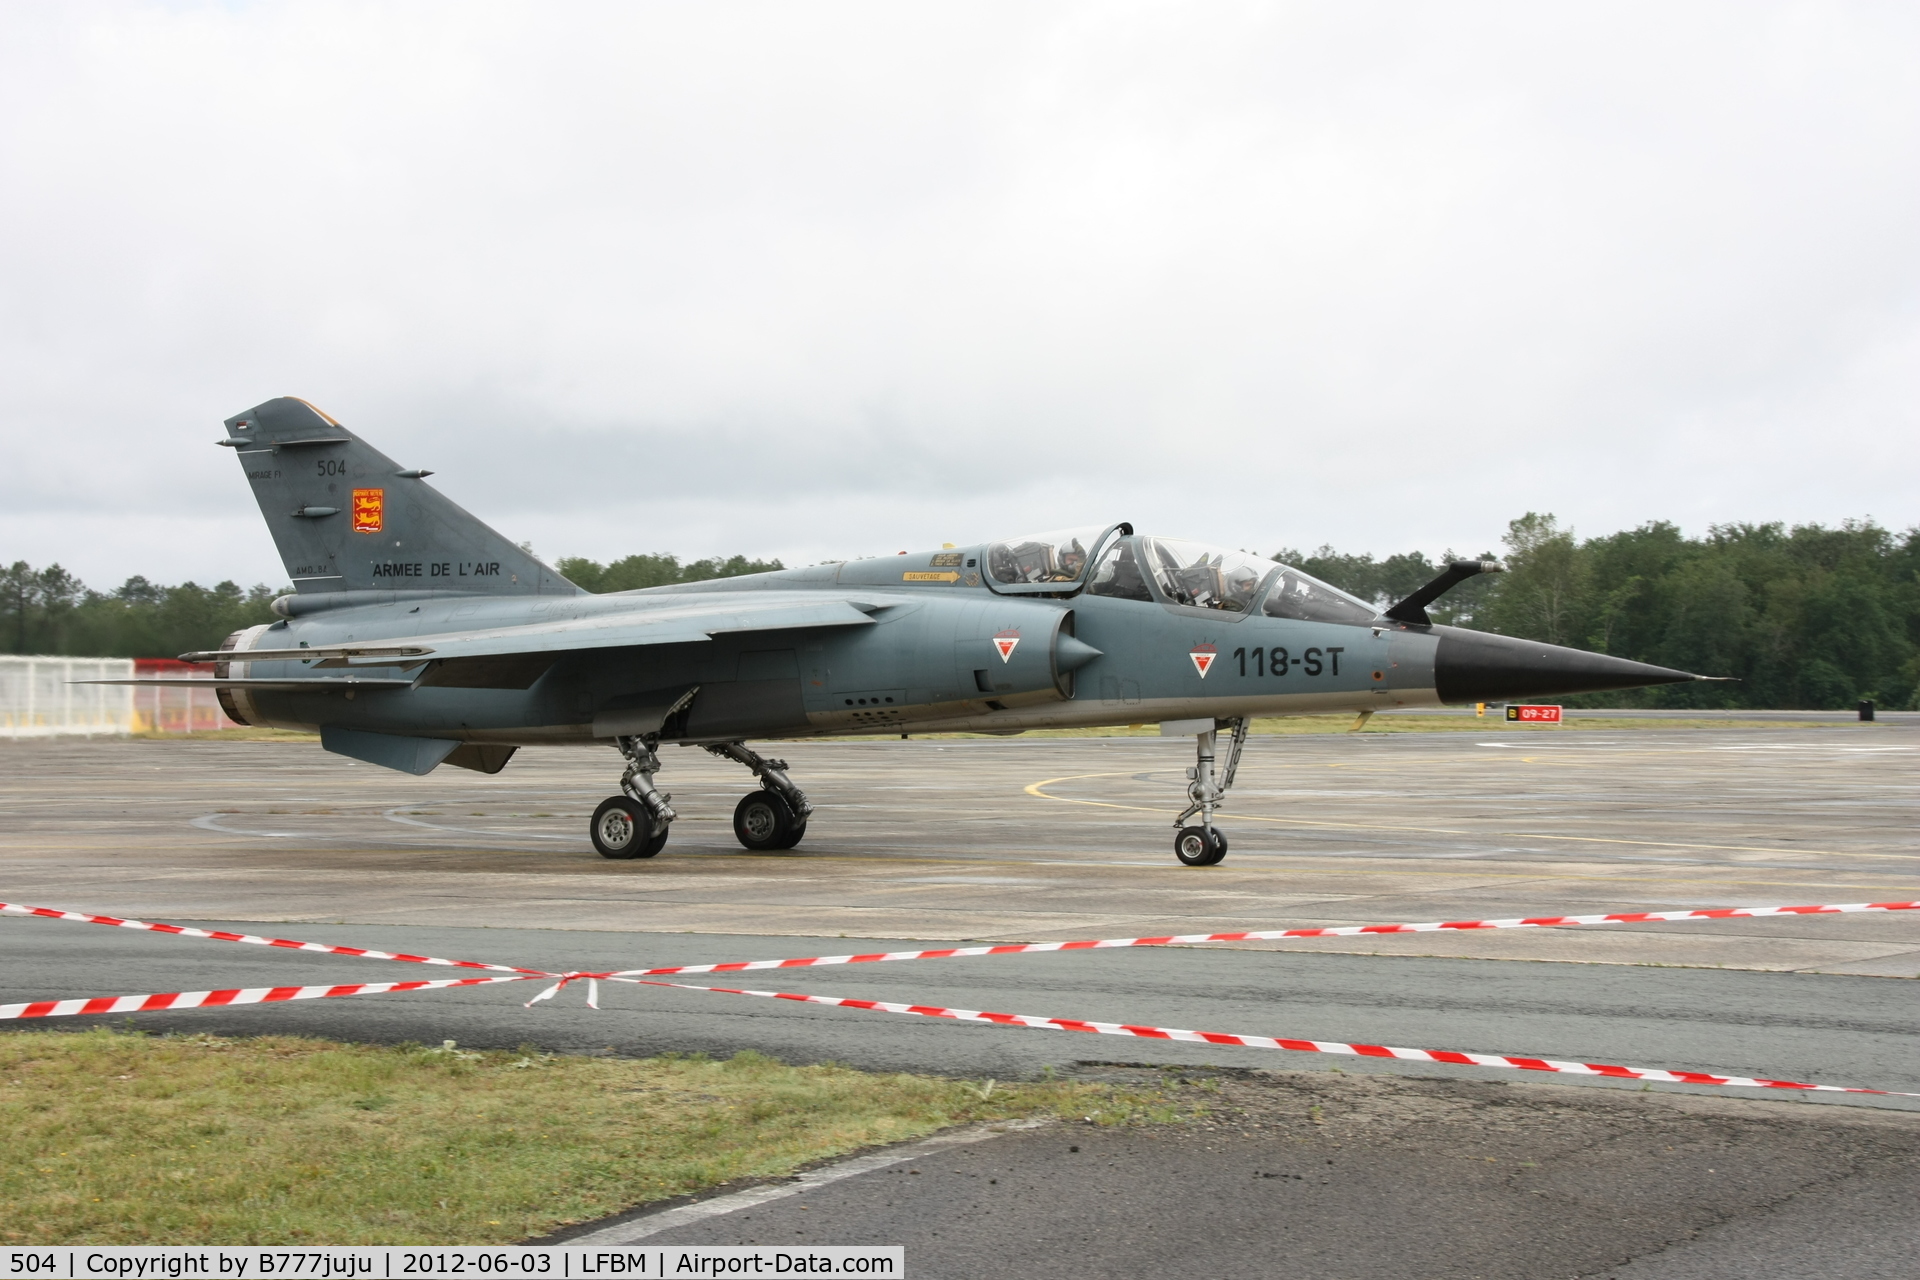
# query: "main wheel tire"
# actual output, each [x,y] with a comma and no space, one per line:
[795,833]
[621,829]
[762,820]
[1198,847]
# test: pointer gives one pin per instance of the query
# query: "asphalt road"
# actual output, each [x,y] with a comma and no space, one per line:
[1329,1176]
[1026,840]
[1370,1169]
[928,842]
[1816,1028]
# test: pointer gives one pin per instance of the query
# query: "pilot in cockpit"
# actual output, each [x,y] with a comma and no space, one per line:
[1036,560]
[1240,583]
[1119,575]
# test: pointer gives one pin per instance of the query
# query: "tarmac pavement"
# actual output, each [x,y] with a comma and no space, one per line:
[1329,1176]
[936,841]
[1813,1028]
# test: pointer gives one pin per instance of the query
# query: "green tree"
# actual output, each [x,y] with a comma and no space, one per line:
[638,571]
[1544,593]
[1807,616]
[51,611]
[1382,583]
[38,606]
[141,619]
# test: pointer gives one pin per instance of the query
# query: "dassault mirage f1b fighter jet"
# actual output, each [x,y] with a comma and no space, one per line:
[417,636]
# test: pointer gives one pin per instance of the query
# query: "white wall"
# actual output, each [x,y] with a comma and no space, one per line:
[37,700]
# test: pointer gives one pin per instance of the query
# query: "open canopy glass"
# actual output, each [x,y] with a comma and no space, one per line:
[1172,570]
[1204,577]
[1058,558]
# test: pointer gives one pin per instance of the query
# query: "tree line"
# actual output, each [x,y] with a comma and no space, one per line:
[636,572]
[1801,616]
[51,611]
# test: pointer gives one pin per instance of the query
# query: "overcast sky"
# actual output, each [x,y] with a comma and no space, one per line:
[821,280]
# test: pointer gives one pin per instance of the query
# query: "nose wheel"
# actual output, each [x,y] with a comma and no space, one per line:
[1203,845]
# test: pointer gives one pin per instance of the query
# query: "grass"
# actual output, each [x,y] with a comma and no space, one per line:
[123,1138]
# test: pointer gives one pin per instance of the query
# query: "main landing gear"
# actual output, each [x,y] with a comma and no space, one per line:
[634,824]
[1203,845]
[775,816]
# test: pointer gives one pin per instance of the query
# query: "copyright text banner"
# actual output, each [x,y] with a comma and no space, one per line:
[383,1262]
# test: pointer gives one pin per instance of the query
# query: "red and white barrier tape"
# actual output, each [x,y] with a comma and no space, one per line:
[1006,949]
[54,913]
[1268,935]
[231,996]
[1655,1074]
[639,977]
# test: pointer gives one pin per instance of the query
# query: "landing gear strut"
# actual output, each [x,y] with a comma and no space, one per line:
[774,817]
[634,825]
[1203,845]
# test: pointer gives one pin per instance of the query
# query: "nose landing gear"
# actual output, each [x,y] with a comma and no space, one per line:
[774,817]
[635,824]
[1202,845]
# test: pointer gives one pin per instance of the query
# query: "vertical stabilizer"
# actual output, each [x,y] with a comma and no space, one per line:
[348,518]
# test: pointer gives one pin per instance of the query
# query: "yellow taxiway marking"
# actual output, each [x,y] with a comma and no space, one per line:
[1038,789]
[1636,875]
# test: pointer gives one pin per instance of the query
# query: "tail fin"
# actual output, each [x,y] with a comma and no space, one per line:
[348,518]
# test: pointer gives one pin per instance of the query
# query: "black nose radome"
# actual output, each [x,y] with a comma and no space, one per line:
[1475,666]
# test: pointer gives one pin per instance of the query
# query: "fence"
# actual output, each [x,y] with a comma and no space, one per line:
[175,708]
[36,700]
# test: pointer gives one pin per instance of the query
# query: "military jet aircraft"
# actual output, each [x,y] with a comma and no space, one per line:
[417,636]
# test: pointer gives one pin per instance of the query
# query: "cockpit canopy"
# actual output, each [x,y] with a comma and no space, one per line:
[1204,577]
[1199,576]
[1170,570]
[1059,557]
